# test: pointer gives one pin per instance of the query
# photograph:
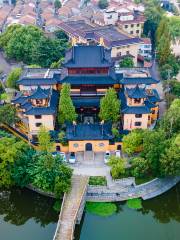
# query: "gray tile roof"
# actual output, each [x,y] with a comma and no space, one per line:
[88,56]
[136,92]
[89,132]
[138,80]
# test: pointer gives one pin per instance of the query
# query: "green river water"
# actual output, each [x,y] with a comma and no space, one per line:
[25,215]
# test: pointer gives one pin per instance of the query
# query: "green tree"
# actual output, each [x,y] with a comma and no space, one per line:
[13,76]
[47,51]
[8,114]
[57,4]
[170,123]
[103,4]
[44,140]
[163,48]
[60,34]
[117,166]
[127,62]
[140,167]
[170,160]
[163,27]
[67,110]
[133,141]
[110,106]
[19,42]
[154,145]
[10,152]
[50,174]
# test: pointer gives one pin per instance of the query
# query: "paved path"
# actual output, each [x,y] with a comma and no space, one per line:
[70,207]
[120,192]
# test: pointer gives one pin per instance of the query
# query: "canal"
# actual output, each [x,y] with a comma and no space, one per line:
[25,215]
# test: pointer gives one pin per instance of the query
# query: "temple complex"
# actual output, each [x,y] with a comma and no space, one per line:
[90,71]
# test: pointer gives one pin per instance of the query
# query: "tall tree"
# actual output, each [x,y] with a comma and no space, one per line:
[103,4]
[44,140]
[170,122]
[133,141]
[164,49]
[67,110]
[8,114]
[110,106]
[13,76]
[170,160]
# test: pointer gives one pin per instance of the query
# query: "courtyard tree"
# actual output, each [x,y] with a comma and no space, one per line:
[127,62]
[103,4]
[67,112]
[110,106]
[8,114]
[44,139]
[163,48]
[133,142]
[57,4]
[170,160]
[117,166]
[13,76]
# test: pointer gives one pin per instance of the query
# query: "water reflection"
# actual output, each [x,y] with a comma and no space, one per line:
[159,219]
[165,207]
[18,206]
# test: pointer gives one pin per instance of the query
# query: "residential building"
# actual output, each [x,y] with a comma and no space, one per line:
[89,69]
[145,49]
[120,43]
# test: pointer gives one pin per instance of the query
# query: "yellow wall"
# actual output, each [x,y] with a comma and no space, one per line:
[130,119]
[46,120]
[133,50]
[95,146]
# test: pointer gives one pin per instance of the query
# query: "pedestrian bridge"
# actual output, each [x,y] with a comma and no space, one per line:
[72,208]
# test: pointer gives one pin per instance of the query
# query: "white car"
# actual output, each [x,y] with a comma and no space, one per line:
[106,157]
[72,157]
[118,153]
[61,154]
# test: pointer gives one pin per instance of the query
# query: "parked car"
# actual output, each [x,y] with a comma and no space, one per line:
[61,154]
[106,156]
[72,157]
[118,153]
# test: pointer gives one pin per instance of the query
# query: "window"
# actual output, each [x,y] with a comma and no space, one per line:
[131,32]
[127,52]
[137,124]
[138,25]
[132,25]
[38,124]
[137,31]
[39,101]
[37,116]
[138,115]
[137,100]
[126,26]
[153,111]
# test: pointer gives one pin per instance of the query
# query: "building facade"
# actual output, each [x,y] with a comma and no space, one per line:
[89,69]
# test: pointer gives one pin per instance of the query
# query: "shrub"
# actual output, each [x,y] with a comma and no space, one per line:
[135,203]
[98,181]
[101,209]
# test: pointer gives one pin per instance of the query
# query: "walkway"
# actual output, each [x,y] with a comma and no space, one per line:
[73,204]
[121,192]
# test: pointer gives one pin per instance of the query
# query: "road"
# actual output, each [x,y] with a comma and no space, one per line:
[5,66]
[155,74]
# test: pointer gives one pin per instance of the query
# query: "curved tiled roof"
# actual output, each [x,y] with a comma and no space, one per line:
[40,93]
[136,92]
[138,80]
